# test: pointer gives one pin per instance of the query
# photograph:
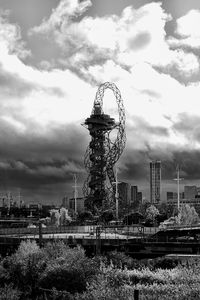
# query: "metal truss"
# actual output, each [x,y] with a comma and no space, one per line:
[102,152]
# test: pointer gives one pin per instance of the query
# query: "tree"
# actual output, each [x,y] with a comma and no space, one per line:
[59,217]
[85,215]
[187,215]
[64,216]
[151,213]
[55,217]
[107,216]
[143,207]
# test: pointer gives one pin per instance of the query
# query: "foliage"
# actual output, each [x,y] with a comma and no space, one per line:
[23,268]
[77,277]
[86,215]
[60,217]
[67,269]
[119,259]
[180,283]
[107,216]
[151,213]
[9,293]
[187,215]
[64,216]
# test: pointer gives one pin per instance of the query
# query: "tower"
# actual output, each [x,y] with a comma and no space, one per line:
[155,181]
[103,152]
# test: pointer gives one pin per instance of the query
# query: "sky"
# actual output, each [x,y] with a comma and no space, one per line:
[53,56]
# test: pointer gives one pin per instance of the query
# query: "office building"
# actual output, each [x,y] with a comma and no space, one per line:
[155,181]
[134,192]
[174,195]
[190,191]
[139,198]
[79,204]
[136,197]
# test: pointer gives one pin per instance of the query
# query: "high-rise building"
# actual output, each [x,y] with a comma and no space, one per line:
[134,192]
[155,181]
[136,197]
[124,193]
[139,197]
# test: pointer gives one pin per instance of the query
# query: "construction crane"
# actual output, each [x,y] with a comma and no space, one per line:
[103,152]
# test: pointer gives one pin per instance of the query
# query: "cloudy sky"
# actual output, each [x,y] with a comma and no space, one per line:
[53,56]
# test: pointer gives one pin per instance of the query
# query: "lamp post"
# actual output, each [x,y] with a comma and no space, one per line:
[178,179]
[116,194]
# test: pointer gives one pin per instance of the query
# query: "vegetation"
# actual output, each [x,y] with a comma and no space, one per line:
[61,272]
[151,213]
[187,216]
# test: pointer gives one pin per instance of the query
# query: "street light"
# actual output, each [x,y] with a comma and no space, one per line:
[178,179]
[116,194]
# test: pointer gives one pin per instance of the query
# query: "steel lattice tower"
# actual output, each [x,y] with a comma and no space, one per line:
[102,153]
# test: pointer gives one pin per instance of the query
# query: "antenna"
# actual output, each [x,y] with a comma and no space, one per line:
[178,179]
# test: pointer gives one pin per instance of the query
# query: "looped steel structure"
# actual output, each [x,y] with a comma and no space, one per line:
[102,153]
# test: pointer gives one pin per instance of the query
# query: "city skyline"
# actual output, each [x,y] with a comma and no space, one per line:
[53,56]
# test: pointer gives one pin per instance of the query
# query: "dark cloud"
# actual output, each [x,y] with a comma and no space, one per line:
[134,164]
[189,126]
[38,160]
[12,85]
[140,41]
[151,93]
[141,128]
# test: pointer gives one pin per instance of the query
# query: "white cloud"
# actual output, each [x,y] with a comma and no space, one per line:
[10,37]
[65,11]
[137,36]
[188,31]
[120,49]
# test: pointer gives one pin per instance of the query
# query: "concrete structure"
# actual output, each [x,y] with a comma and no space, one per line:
[124,191]
[139,197]
[136,197]
[174,195]
[155,181]
[134,194]
[69,203]
[195,202]
[65,202]
[190,191]
[79,205]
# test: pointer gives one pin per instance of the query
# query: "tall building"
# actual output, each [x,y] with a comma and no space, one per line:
[124,193]
[139,197]
[136,197]
[155,181]
[134,192]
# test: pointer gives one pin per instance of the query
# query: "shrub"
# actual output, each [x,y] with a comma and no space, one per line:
[9,293]
[69,271]
[23,268]
[120,259]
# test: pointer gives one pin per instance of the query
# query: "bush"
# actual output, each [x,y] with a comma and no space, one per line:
[69,271]
[23,268]
[119,259]
[9,293]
